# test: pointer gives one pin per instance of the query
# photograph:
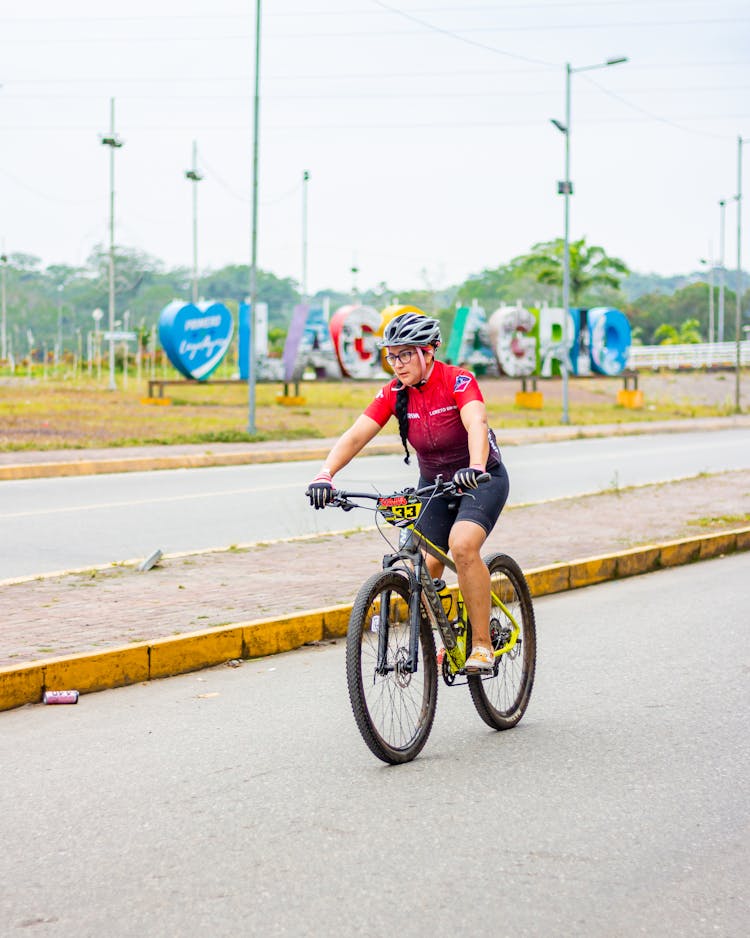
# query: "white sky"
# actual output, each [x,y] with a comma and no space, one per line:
[427,139]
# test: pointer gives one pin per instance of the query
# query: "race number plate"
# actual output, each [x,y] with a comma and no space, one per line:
[400,509]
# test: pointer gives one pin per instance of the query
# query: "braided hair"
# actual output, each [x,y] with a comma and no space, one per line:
[402,405]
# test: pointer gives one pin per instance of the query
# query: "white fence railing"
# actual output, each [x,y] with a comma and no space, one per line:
[702,355]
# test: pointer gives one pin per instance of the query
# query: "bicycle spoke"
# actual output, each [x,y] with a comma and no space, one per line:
[394,710]
[502,699]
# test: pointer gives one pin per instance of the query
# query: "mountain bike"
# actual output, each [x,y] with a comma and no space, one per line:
[391,659]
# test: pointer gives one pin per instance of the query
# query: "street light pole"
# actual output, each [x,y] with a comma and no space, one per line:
[722,217]
[566,250]
[305,178]
[113,142]
[252,365]
[195,177]
[738,314]
[710,267]
[565,188]
[3,320]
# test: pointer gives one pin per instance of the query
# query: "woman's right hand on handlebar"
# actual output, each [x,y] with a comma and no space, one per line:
[320,490]
[470,477]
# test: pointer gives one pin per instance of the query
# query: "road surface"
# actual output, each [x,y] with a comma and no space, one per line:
[243,801]
[57,524]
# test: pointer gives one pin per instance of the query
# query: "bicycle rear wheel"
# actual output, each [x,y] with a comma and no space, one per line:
[393,707]
[501,699]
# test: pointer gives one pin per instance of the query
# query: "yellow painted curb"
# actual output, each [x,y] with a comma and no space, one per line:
[180,653]
[717,544]
[144,661]
[21,685]
[680,552]
[593,570]
[114,667]
[638,560]
[553,579]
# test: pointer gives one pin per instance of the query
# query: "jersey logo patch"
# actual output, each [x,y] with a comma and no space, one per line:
[462,382]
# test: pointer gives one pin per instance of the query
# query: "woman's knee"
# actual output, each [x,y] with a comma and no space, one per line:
[465,545]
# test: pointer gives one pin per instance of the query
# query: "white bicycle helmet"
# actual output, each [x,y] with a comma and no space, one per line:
[411,329]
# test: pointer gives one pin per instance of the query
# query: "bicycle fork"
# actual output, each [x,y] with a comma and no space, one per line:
[410,663]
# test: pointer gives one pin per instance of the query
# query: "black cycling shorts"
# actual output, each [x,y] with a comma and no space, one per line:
[482,505]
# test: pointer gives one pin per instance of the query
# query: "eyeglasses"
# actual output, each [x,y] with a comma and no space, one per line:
[403,357]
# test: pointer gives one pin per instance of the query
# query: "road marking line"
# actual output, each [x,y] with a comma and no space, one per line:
[103,506]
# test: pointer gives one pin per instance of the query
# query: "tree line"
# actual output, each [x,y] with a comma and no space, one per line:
[52,306]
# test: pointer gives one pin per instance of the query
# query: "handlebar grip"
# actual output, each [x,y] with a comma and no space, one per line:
[484,477]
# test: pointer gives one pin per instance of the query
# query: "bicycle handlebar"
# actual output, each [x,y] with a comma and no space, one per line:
[438,487]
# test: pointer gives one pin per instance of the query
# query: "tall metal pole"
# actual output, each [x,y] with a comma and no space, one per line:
[305,178]
[710,289]
[112,384]
[738,314]
[195,177]
[566,188]
[3,320]
[722,216]
[252,365]
[566,252]
[113,142]
[710,268]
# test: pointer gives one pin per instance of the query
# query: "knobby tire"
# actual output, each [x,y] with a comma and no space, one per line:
[502,700]
[394,711]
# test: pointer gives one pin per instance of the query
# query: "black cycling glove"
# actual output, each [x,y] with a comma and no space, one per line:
[320,490]
[468,478]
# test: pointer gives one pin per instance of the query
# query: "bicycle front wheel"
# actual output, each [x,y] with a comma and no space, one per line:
[501,698]
[393,706]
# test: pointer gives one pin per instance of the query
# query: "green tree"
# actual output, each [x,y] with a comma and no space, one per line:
[688,333]
[691,302]
[591,268]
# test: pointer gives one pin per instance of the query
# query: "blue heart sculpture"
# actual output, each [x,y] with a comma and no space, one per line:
[196,337]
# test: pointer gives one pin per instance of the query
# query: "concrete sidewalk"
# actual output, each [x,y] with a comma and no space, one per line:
[105,628]
[28,464]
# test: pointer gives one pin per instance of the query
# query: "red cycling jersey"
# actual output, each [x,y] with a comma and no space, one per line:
[435,428]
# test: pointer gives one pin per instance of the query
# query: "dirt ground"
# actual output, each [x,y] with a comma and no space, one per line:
[86,612]
[36,416]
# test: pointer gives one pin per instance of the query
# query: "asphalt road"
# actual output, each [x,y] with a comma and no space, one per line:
[243,801]
[56,524]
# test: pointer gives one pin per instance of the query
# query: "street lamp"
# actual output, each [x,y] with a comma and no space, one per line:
[722,218]
[3,320]
[195,177]
[114,143]
[252,365]
[565,188]
[305,178]
[709,264]
[738,314]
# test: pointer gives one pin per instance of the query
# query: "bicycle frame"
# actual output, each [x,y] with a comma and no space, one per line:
[402,511]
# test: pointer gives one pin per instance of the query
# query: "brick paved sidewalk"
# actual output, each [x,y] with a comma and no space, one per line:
[80,613]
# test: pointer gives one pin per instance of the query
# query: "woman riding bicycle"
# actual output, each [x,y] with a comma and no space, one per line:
[441,412]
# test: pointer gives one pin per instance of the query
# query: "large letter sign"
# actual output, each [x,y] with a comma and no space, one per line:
[468,342]
[513,336]
[552,351]
[261,336]
[354,331]
[609,338]
[196,337]
[598,340]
